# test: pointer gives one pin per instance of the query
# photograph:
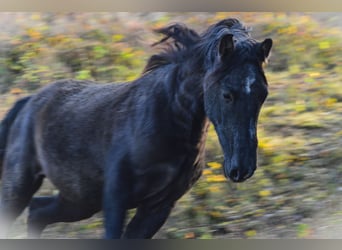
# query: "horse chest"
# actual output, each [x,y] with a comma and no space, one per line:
[166,166]
[167,181]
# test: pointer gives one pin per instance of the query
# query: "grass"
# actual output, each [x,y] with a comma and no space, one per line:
[300,147]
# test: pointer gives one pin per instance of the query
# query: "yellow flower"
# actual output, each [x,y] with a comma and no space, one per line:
[264,193]
[117,37]
[292,29]
[216,178]
[330,102]
[34,34]
[250,233]
[214,165]
[216,214]
[324,45]
[214,189]
[314,74]
[207,172]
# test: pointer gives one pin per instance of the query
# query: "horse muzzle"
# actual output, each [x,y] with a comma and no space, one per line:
[238,173]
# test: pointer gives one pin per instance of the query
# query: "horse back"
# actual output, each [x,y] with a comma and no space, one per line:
[67,129]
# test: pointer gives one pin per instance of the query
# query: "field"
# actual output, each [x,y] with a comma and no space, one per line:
[296,191]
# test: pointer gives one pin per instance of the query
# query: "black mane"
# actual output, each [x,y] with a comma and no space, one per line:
[204,45]
[182,39]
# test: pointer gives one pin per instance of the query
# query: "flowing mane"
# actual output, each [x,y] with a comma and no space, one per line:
[182,39]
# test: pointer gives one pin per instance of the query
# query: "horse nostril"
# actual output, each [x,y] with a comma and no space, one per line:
[234,174]
[247,175]
[237,175]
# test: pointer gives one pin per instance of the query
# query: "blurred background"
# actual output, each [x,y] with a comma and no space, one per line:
[297,189]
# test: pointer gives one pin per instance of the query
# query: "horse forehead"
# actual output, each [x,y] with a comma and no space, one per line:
[249,80]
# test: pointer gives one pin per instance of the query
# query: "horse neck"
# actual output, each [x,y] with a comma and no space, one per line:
[188,103]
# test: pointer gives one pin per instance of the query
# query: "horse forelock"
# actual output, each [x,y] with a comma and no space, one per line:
[210,39]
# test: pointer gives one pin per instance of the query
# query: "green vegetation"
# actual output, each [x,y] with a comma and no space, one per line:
[300,146]
[37,56]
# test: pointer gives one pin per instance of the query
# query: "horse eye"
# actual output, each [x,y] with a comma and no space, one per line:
[228,97]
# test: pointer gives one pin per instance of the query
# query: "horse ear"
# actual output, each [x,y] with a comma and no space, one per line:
[226,46]
[266,46]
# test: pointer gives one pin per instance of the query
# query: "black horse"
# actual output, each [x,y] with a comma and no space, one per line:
[139,144]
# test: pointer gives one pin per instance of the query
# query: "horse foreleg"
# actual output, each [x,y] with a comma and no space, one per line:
[114,208]
[146,222]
